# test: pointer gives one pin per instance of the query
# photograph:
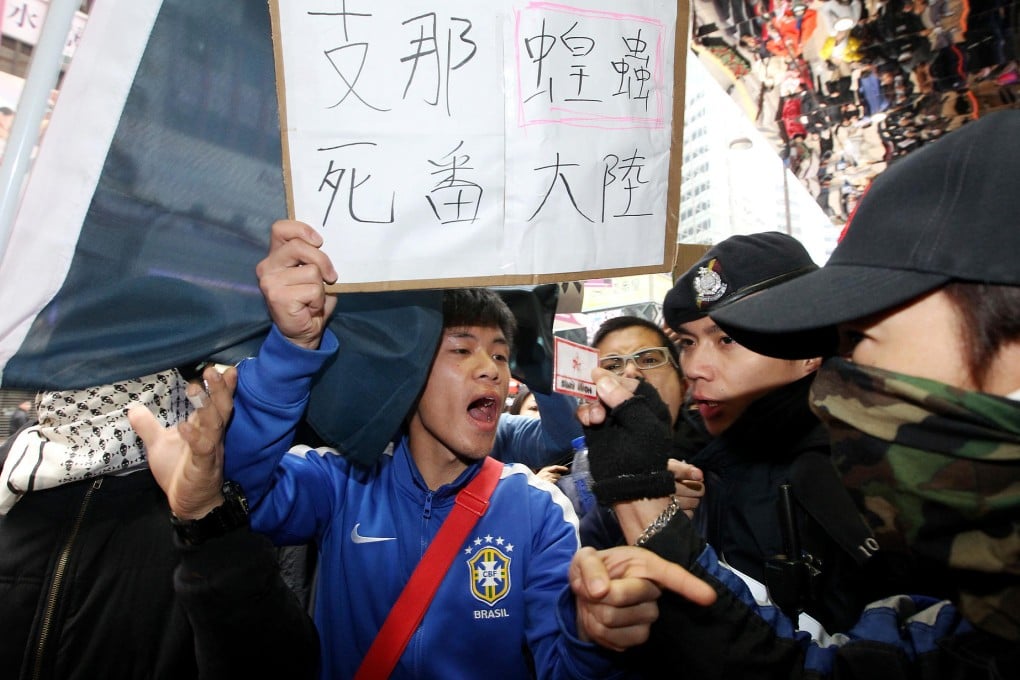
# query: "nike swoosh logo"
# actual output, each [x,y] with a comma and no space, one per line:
[358,538]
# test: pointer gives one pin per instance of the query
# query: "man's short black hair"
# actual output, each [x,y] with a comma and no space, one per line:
[478,307]
[620,322]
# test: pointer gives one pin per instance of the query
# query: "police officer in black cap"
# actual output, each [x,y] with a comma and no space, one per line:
[783,519]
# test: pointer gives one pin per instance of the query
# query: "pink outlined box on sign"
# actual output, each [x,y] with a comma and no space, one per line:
[589,68]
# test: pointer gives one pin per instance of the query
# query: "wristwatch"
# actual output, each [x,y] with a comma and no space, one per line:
[232,514]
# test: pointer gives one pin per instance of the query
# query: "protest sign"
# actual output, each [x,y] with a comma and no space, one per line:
[458,143]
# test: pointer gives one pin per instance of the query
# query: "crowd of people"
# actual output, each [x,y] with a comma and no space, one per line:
[803,472]
[917,315]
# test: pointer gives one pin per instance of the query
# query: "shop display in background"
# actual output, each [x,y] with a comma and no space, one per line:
[845,87]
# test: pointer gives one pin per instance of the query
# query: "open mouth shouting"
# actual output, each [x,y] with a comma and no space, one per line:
[485,411]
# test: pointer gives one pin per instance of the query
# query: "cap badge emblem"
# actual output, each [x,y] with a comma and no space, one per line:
[708,285]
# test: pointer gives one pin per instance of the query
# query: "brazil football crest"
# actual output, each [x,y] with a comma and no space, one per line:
[490,570]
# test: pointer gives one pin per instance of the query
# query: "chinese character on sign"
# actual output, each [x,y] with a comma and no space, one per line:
[24,21]
[21,15]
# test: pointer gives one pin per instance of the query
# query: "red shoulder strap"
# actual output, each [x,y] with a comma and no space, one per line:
[408,610]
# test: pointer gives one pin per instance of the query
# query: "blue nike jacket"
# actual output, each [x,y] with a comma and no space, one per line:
[500,601]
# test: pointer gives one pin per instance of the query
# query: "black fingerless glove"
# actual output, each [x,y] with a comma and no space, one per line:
[628,453]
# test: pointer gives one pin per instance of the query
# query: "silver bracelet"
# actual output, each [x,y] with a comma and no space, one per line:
[660,522]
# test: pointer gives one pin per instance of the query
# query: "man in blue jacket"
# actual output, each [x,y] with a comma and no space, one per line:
[503,607]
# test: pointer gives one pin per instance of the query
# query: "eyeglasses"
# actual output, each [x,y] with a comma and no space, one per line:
[645,359]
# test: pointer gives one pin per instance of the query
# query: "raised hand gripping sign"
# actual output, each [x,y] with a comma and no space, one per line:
[454,142]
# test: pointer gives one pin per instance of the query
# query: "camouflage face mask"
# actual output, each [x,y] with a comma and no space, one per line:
[936,471]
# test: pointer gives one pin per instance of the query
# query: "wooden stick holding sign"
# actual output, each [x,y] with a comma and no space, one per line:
[453,142]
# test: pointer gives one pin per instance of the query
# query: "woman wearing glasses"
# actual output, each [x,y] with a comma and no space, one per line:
[634,347]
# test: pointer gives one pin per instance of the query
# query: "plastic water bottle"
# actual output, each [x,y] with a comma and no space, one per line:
[577,485]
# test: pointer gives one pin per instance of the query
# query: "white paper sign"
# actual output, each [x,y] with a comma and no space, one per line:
[444,142]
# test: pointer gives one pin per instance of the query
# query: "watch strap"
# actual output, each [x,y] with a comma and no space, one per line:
[231,514]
